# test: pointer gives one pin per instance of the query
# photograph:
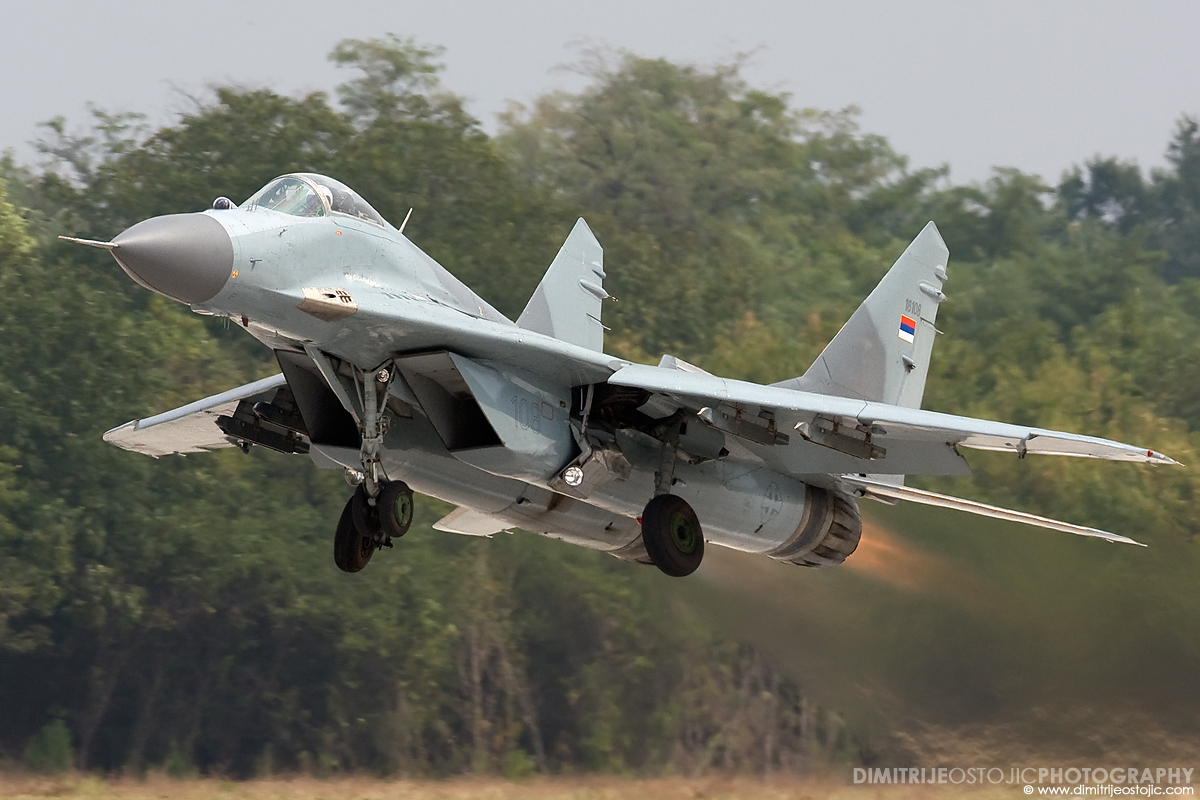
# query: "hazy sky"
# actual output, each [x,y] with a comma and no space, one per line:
[1035,85]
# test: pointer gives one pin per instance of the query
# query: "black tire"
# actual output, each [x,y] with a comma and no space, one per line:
[351,550]
[366,514]
[395,509]
[672,535]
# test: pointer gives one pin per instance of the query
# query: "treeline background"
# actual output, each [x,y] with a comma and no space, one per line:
[185,614]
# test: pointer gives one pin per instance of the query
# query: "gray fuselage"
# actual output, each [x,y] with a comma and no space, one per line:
[404,303]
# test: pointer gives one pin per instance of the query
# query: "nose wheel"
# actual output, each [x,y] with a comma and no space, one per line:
[672,535]
[351,549]
[368,524]
[394,509]
[380,510]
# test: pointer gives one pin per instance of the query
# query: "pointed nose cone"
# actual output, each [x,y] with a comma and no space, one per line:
[187,257]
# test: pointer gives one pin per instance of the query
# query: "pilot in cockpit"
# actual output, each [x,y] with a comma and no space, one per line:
[312,195]
[313,205]
[326,195]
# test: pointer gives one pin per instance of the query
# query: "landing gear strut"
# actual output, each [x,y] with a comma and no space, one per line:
[672,536]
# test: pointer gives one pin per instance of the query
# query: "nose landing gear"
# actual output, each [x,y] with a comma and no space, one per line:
[351,549]
[380,510]
[368,524]
[394,509]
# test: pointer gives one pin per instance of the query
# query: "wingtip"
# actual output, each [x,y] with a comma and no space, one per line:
[1154,457]
[111,434]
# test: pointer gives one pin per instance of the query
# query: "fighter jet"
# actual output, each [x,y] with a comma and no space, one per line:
[399,375]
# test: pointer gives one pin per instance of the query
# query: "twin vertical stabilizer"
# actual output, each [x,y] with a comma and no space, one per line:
[882,352]
[566,304]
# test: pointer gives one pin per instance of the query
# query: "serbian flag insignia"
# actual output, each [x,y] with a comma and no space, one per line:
[908,328]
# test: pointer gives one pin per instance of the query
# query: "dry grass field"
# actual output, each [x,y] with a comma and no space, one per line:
[155,787]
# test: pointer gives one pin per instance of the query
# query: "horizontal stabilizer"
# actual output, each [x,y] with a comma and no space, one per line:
[566,304]
[191,428]
[890,491]
[469,522]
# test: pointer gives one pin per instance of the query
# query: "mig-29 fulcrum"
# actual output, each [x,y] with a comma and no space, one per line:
[397,373]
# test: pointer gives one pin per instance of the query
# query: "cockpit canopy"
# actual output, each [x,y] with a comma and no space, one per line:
[306,194]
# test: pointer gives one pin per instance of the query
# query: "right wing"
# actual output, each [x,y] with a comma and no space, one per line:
[191,428]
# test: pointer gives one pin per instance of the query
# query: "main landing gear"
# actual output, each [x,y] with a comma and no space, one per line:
[671,531]
[368,524]
[672,536]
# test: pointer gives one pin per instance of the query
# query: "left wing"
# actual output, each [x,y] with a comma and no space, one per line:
[865,445]
[192,428]
[891,428]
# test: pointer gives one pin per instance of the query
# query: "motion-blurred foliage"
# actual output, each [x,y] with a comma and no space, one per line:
[186,613]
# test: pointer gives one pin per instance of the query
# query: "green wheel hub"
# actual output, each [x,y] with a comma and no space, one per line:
[403,509]
[395,509]
[683,533]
